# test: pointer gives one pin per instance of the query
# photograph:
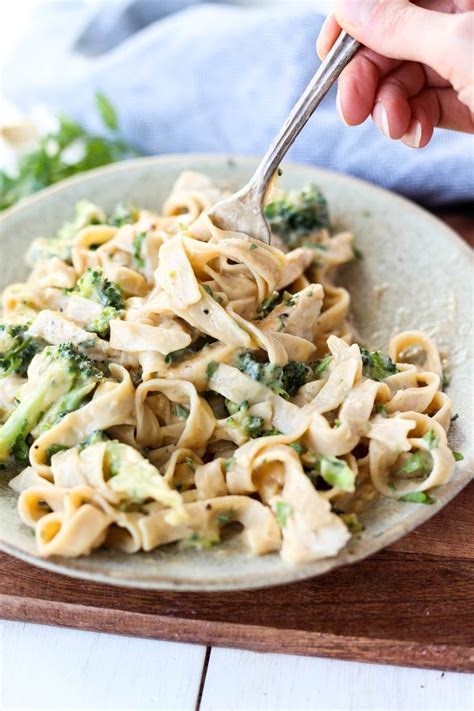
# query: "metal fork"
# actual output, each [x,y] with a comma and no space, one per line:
[243,211]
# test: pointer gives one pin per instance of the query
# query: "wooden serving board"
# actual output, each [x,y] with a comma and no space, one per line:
[411,604]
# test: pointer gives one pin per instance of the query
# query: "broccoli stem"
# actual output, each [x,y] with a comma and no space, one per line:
[54,383]
[51,377]
[68,403]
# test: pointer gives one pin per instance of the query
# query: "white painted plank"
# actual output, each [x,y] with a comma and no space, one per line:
[51,668]
[246,681]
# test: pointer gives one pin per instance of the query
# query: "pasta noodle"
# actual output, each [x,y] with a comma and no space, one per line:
[165,381]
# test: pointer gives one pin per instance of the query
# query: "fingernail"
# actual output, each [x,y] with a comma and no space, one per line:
[339,107]
[380,117]
[319,47]
[354,12]
[412,137]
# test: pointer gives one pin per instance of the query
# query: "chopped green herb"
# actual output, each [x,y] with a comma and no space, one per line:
[382,410]
[198,542]
[272,432]
[420,463]
[391,485]
[125,213]
[319,366]
[212,366]
[190,463]
[253,246]
[458,456]
[337,423]
[225,517]
[197,345]
[281,319]
[417,497]
[88,344]
[106,111]
[208,289]
[268,304]
[283,510]
[431,440]
[335,472]
[298,447]
[52,450]
[352,522]
[181,411]
[137,250]
[94,437]
[358,253]
[233,407]
[228,463]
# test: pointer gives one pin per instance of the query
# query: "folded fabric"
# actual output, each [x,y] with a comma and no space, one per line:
[210,77]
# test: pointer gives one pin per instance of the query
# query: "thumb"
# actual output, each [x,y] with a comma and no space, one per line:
[400,30]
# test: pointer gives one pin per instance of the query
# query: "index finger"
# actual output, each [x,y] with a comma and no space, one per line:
[328,34]
[358,84]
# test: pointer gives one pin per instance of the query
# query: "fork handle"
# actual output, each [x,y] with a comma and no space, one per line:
[341,53]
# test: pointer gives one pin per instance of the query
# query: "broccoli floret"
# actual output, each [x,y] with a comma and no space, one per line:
[94,285]
[17,349]
[101,325]
[284,380]
[249,425]
[56,375]
[294,216]
[377,365]
[124,214]
[60,246]
[134,478]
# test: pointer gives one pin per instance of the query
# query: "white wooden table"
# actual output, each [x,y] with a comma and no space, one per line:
[52,668]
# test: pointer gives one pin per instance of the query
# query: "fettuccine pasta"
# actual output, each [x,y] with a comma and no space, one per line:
[165,381]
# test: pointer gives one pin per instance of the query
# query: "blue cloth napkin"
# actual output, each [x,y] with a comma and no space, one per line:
[188,76]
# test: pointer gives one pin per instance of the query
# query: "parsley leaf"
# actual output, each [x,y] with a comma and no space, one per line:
[420,464]
[417,497]
[282,511]
[51,160]
[106,111]
[137,250]
[431,440]
[212,366]
[180,411]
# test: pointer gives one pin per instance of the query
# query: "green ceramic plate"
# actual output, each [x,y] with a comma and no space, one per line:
[416,273]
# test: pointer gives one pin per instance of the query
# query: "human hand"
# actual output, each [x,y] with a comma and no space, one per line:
[415,71]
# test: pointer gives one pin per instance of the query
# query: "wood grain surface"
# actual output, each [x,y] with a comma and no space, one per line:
[411,604]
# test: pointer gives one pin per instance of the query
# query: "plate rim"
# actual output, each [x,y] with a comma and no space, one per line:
[289,574]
